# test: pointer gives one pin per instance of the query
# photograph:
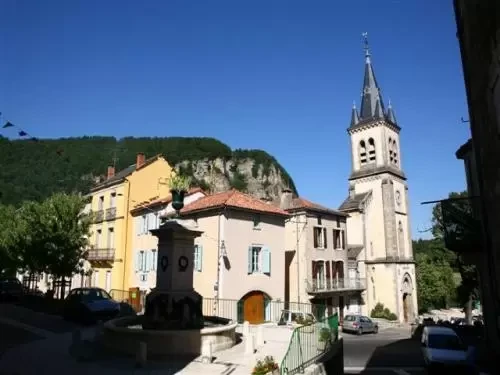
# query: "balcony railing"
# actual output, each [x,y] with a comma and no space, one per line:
[331,285]
[110,213]
[99,216]
[101,255]
[460,226]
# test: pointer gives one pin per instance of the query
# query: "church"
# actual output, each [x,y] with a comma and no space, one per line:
[378,222]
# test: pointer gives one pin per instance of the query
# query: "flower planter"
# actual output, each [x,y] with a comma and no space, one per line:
[177,199]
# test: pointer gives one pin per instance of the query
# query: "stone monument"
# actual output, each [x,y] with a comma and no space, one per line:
[174,304]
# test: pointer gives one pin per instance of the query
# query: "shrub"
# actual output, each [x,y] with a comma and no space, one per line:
[262,367]
[381,312]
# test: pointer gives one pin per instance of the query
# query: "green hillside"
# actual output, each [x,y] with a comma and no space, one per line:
[32,170]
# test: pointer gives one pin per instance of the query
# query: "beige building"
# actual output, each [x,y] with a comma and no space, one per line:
[325,272]
[378,206]
[145,246]
[241,253]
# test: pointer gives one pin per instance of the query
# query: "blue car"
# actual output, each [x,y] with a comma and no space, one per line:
[90,305]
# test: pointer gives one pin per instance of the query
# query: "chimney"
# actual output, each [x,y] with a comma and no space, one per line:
[141,159]
[286,199]
[111,171]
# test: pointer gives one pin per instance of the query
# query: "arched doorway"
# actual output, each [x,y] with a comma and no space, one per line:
[253,306]
[406,290]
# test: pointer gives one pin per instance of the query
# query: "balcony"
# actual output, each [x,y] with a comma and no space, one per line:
[98,216]
[335,285]
[101,255]
[111,213]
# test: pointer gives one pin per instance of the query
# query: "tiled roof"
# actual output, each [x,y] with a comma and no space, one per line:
[232,199]
[162,201]
[353,251]
[121,175]
[354,202]
[304,204]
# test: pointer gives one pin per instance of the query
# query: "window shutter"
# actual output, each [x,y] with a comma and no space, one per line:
[315,237]
[137,261]
[313,269]
[328,269]
[151,260]
[250,270]
[343,244]
[154,259]
[325,238]
[239,313]
[266,260]
[137,225]
[200,258]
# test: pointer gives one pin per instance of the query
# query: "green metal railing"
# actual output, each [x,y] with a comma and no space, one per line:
[308,343]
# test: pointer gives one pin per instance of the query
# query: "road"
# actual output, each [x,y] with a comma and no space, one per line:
[389,352]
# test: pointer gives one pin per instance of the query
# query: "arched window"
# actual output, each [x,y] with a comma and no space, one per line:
[362,153]
[371,150]
[401,239]
[391,152]
[395,152]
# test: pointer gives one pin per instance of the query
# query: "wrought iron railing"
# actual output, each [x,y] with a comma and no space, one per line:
[110,213]
[308,343]
[100,254]
[98,216]
[461,227]
[326,285]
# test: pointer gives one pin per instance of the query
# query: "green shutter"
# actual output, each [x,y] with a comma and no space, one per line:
[250,270]
[266,260]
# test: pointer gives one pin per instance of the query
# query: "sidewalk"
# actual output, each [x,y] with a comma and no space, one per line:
[51,355]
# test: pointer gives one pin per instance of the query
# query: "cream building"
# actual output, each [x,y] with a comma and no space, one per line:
[378,223]
[144,244]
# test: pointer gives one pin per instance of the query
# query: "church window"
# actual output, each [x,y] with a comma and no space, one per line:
[391,154]
[401,239]
[320,238]
[395,152]
[362,152]
[371,150]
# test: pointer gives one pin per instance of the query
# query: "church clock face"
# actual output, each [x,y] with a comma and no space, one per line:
[398,198]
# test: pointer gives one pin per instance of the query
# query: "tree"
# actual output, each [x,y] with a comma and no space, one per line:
[53,235]
[460,229]
[8,228]
[434,274]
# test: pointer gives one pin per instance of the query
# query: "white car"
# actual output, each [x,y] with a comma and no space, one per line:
[443,349]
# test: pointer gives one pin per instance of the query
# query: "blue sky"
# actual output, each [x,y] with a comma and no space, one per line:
[269,74]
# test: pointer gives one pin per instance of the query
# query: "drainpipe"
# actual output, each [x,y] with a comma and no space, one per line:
[297,252]
[126,236]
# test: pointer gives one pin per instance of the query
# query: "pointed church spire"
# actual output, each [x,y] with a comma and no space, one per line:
[371,97]
[390,115]
[354,115]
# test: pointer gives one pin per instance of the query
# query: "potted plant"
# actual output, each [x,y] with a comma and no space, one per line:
[268,366]
[324,339]
[179,186]
[304,321]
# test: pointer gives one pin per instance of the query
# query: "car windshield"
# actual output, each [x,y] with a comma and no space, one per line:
[445,342]
[350,318]
[95,295]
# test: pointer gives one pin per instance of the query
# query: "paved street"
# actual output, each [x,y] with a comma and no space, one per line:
[389,352]
[11,337]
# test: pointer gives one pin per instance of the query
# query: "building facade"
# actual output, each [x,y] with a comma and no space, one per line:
[241,253]
[318,270]
[478,32]
[145,246]
[378,206]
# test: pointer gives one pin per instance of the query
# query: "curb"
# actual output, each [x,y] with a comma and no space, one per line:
[37,331]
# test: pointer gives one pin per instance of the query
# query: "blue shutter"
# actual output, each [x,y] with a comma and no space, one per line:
[250,270]
[137,225]
[149,260]
[137,261]
[154,257]
[200,257]
[266,260]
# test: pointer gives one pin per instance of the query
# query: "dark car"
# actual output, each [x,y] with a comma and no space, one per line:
[10,289]
[89,305]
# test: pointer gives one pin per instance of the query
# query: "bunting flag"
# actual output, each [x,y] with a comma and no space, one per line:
[22,133]
[8,124]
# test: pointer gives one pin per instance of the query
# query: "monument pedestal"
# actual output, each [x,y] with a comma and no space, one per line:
[174,304]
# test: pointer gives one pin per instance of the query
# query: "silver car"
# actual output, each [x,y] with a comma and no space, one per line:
[359,324]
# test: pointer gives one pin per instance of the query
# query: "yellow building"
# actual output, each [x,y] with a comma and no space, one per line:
[110,253]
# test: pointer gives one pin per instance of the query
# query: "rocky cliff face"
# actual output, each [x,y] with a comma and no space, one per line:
[260,180]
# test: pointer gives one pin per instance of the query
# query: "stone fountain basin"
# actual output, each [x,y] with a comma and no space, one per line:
[123,335]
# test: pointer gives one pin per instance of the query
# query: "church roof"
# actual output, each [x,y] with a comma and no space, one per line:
[372,104]
[353,202]
[306,205]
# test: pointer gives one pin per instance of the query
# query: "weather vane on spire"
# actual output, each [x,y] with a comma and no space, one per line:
[365,40]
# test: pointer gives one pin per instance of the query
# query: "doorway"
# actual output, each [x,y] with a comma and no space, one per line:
[254,307]
[406,307]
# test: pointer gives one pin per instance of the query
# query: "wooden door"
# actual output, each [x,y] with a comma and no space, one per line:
[253,307]
[405,307]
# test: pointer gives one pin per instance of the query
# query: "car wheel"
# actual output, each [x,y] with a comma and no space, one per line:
[375,330]
[360,331]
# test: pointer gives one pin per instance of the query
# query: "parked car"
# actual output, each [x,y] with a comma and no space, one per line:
[89,305]
[443,350]
[11,289]
[289,317]
[359,324]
